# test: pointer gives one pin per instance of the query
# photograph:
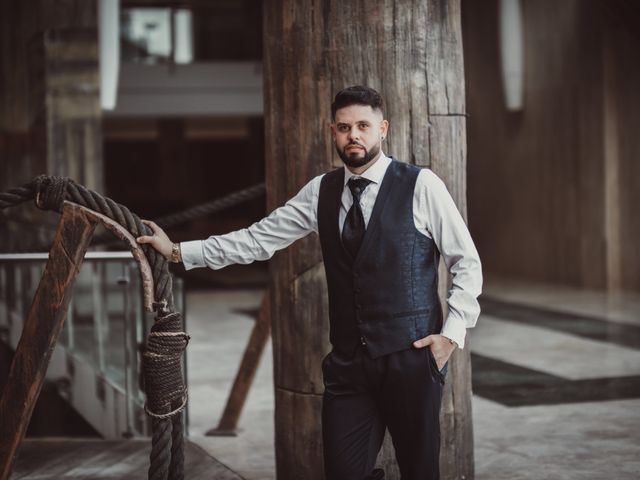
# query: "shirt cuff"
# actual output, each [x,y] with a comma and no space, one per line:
[455,329]
[192,254]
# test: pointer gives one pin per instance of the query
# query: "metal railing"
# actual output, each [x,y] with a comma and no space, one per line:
[96,364]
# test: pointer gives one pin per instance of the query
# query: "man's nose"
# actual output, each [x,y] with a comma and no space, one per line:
[353,133]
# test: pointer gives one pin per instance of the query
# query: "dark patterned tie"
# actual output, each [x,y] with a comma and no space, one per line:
[353,228]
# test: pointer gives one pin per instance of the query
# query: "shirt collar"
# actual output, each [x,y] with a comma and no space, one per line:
[375,172]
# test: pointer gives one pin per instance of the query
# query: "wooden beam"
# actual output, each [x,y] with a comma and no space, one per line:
[246,373]
[41,330]
[46,318]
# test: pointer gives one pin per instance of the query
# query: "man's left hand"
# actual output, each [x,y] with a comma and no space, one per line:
[440,346]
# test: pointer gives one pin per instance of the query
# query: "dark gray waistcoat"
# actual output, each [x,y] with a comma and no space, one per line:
[387,296]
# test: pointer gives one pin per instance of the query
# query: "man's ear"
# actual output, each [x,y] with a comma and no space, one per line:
[384,128]
[333,130]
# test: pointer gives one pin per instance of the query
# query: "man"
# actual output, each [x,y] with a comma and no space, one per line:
[383,225]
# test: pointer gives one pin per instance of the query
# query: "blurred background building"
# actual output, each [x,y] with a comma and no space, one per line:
[159,105]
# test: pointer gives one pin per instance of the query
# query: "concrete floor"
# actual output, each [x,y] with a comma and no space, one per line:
[556,383]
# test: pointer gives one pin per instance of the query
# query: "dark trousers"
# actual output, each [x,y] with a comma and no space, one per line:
[402,392]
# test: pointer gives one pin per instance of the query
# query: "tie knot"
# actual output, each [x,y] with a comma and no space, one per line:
[357,186]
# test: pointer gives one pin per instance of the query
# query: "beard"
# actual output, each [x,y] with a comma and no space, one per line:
[353,160]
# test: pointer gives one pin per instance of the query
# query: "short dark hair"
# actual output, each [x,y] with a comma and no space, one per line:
[357,95]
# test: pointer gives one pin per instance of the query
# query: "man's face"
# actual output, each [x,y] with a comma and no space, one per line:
[358,131]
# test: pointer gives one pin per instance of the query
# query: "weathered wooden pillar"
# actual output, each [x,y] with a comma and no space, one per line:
[49,104]
[64,96]
[410,51]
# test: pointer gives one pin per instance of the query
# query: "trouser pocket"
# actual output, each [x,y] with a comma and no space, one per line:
[440,374]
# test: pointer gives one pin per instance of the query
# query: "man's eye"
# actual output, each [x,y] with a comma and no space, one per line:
[364,126]
[343,128]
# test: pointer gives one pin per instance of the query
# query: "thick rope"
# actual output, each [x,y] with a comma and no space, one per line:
[213,206]
[162,362]
[160,456]
[176,469]
[18,195]
[162,357]
[167,221]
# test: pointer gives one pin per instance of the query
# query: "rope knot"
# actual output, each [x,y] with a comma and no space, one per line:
[164,385]
[51,192]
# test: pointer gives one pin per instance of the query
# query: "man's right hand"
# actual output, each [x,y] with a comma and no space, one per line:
[159,240]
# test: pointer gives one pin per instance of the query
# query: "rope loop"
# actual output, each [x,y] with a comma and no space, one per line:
[168,414]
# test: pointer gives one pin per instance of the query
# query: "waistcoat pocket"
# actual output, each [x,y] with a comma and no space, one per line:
[410,313]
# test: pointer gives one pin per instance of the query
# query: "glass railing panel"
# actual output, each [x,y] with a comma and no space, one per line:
[106,323]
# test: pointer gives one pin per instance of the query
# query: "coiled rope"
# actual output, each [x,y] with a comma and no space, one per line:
[162,357]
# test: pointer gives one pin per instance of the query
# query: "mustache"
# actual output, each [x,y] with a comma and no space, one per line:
[353,143]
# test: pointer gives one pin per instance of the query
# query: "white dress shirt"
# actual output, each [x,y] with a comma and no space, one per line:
[434,214]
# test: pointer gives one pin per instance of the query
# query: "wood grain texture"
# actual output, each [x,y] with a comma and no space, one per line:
[19,23]
[543,191]
[28,79]
[411,52]
[448,154]
[64,101]
[307,305]
[41,330]
[622,146]
[298,444]
[49,459]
